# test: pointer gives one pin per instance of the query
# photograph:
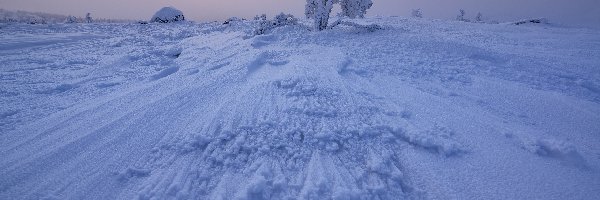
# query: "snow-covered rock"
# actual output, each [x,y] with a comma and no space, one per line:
[531,21]
[168,15]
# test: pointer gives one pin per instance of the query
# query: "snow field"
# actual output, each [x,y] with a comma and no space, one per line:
[419,110]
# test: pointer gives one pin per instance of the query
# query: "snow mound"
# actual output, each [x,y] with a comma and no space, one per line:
[168,15]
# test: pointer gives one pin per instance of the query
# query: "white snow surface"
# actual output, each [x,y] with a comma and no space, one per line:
[422,109]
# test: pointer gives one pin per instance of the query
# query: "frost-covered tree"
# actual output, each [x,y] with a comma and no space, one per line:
[88,18]
[319,10]
[417,13]
[479,17]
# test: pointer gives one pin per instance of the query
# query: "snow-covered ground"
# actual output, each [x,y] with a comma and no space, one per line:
[423,109]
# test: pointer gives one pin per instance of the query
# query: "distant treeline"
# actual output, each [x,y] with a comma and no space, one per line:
[7,16]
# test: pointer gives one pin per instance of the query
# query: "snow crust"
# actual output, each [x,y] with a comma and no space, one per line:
[417,109]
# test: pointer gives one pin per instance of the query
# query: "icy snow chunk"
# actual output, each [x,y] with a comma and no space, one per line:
[559,149]
[332,146]
[272,58]
[262,185]
[167,15]
[347,67]
[438,139]
[263,40]
[174,52]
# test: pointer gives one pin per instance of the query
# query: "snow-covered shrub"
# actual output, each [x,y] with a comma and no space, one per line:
[168,15]
[36,20]
[263,25]
[88,18]
[284,20]
[30,19]
[319,10]
[232,19]
[417,13]
[260,17]
[71,19]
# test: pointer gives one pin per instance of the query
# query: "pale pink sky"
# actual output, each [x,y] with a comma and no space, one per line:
[585,12]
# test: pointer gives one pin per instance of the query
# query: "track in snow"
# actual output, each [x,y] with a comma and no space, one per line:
[203,112]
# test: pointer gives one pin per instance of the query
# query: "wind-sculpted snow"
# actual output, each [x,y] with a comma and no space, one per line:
[417,110]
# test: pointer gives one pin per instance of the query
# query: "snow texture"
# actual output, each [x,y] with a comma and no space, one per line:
[414,109]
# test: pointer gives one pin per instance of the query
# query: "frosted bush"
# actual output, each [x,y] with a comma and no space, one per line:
[233,19]
[284,20]
[71,19]
[260,17]
[263,25]
[417,13]
[35,20]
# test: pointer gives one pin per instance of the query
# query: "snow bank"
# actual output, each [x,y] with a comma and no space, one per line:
[167,15]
